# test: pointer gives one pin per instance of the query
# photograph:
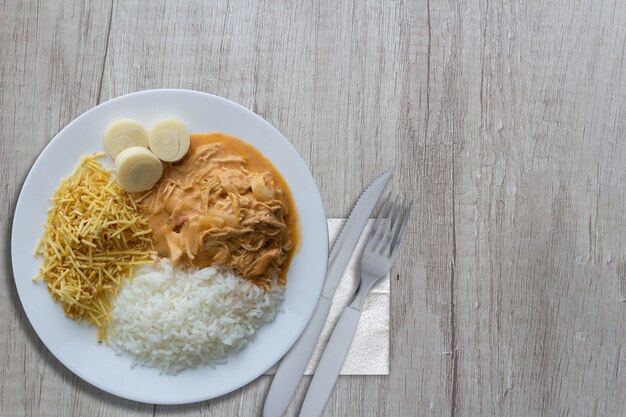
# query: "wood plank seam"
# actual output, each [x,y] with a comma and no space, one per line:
[453,324]
[106,52]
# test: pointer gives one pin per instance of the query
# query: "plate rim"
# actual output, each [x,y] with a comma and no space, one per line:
[20,201]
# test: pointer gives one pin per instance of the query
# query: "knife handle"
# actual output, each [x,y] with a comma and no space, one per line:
[330,364]
[294,363]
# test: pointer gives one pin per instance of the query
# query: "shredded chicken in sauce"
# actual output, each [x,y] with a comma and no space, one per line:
[221,206]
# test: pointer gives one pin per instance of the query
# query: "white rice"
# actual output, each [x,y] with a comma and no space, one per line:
[174,319]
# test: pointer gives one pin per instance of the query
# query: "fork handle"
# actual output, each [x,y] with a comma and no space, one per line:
[330,364]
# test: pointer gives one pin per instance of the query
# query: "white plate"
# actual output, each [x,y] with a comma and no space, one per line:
[76,345]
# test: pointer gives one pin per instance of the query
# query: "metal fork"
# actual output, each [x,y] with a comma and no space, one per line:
[381,250]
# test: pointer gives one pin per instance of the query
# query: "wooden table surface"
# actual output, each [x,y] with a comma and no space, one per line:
[506,122]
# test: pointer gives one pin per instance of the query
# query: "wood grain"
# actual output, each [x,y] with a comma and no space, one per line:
[506,123]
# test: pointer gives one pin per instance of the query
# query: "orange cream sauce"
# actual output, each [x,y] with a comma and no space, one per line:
[255,162]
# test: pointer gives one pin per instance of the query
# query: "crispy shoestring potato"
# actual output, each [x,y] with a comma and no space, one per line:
[95,236]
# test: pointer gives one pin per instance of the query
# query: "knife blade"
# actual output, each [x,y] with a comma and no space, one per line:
[294,363]
[351,231]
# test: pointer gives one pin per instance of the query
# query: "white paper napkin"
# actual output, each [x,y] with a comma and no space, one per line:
[369,352]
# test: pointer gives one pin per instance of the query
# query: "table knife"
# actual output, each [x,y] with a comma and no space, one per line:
[294,363]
